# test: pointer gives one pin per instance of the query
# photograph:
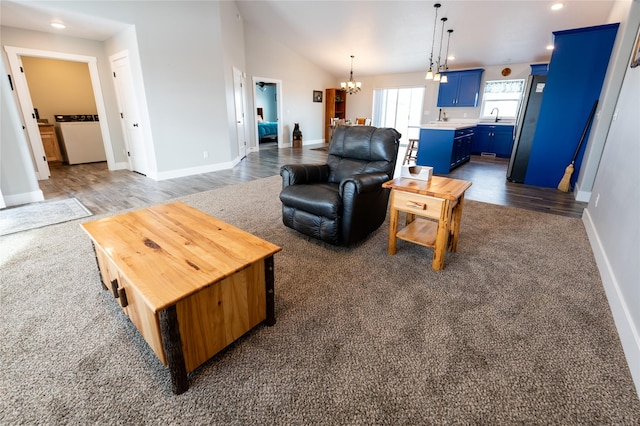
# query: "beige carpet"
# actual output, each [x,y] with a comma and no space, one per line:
[515,329]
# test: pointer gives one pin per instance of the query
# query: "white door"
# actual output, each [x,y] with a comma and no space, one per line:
[30,123]
[239,96]
[129,113]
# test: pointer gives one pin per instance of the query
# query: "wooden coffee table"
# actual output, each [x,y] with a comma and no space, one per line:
[438,200]
[190,283]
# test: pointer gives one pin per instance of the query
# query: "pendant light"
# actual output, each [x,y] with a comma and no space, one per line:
[351,86]
[437,76]
[429,75]
[444,78]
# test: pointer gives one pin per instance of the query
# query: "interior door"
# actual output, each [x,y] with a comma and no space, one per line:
[32,133]
[129,113]
[239,97]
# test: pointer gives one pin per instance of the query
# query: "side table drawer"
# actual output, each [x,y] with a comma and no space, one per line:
[421,205]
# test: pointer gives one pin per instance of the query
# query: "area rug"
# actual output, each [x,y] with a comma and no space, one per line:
[37,215]
[515,330]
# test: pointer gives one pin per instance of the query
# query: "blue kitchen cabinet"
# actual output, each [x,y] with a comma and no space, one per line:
[444,149]
[539,69]
[461,90]
[493,138]
[576,73]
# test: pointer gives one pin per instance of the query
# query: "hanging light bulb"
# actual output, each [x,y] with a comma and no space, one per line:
[429,75]
[443,78]
[437,76]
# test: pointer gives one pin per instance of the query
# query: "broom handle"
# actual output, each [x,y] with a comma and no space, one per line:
[584,132]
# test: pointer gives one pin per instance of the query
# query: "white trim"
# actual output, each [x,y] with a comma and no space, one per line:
[172,174]
[24,198]
[627,332]
[582,196]
[278,84]
[120,166]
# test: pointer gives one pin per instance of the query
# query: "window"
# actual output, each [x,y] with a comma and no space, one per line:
[504,95]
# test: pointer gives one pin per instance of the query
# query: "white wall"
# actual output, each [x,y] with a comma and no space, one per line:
[612,216]
[272,60]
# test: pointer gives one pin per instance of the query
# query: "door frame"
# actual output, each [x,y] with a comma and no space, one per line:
[278,84]
[14,55]
[240,96]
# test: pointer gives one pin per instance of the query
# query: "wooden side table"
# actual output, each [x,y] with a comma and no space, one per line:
[439,201]
[190,283]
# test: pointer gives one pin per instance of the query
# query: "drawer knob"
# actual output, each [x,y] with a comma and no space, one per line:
[416,205]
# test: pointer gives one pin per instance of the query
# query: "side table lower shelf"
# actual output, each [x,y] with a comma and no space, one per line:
[420,231]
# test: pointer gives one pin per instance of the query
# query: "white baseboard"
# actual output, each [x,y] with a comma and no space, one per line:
[172,174]
[312,142]
[23,198]
[627,331]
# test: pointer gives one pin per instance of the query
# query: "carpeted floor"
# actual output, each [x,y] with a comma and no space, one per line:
[515,329]
[37,215]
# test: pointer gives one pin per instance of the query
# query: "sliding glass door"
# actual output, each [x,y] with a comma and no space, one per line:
[400,108]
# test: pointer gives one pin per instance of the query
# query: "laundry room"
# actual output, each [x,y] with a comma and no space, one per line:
[62,96]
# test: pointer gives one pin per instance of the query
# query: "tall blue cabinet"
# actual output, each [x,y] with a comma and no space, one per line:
[576,73]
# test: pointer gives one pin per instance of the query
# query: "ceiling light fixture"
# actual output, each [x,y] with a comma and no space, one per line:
[444,78]
[429,75]
[437,76]
[351,86]
[550,47]
[58,25]
[557,6]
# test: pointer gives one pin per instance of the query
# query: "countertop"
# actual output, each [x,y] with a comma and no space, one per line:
[452,125]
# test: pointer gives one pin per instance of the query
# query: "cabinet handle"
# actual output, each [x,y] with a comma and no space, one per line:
[114,288]
[416,205]
[123,298]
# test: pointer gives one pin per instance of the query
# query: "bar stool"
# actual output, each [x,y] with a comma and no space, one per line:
[412,152]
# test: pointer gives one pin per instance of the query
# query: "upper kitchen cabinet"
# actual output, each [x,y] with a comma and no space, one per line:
[539,69]
[461,90]
[576,73]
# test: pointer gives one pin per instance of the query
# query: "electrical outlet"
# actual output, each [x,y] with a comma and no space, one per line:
[597,199]
[205,154]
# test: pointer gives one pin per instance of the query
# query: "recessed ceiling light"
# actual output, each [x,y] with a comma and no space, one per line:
[550,47]
[451,58]
[58,25]
[557,6]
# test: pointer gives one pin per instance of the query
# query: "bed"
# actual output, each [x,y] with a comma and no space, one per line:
[267,131]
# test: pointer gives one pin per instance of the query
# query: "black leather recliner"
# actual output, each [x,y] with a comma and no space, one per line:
[342,201]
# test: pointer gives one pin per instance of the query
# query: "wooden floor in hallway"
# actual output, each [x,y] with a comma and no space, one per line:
[104,191]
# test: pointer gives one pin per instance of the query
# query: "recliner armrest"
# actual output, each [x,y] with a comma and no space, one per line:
[296,174]
[365,182]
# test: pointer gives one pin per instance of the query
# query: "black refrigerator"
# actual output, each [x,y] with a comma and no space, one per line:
[526,127]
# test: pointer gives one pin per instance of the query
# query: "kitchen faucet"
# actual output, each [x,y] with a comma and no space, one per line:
[497,112]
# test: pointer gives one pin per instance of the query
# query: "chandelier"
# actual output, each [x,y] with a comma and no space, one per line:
[351,86]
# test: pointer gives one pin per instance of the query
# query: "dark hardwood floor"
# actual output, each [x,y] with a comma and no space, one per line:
[104,191]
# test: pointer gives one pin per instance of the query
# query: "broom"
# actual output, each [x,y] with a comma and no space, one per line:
[565,183]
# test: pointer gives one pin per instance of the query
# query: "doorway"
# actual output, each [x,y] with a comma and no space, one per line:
[267,95]
[14,55]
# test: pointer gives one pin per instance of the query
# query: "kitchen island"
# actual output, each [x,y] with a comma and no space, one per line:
[444,146]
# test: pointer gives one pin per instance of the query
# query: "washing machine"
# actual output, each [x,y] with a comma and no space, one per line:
[81,138]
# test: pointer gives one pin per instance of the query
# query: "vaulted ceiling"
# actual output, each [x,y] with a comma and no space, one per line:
[386,37]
